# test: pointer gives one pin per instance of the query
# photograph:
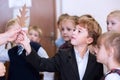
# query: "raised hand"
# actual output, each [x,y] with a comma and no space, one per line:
[24,41]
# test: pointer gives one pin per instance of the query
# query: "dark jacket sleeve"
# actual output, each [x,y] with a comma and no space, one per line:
[43,64]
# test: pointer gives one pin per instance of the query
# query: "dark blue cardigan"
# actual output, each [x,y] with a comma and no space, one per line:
[19,69]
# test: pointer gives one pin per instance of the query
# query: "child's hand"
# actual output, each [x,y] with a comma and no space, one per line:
[24,40]
[2,69]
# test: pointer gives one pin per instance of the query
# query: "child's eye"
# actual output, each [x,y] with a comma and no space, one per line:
[36,35]
[73,29]
[79,31]
[113,23]
[107,23]
[68,29]
[30,33]
[62,29]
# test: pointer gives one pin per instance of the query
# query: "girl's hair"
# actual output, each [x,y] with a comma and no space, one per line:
[37,29]
[10,23]
[111,39]
[115,13]
[72,19]
[93,27]
[61,17]
[7,27]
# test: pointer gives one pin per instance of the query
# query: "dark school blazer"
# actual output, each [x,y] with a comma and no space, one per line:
[65,63]
[19,69]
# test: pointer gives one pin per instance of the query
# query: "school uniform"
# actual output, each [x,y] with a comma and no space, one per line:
[19,69]
[65,63]
[2,78]
[66,45]
[113,74]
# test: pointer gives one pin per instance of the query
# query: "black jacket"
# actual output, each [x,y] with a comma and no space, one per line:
[65,63]
[19,69]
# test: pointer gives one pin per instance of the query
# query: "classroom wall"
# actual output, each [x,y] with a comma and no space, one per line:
[99,9]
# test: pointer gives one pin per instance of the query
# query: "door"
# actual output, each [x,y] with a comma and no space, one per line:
[42,13]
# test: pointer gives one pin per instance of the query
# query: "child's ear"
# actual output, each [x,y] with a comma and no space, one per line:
[89,40]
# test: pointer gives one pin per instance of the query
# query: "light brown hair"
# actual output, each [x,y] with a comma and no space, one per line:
[61,17]
[111,39]
[72,19]
[115,13]
[37,29]
[10,23]
[93,27]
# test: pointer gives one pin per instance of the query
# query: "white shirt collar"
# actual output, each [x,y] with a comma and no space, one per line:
[81,62]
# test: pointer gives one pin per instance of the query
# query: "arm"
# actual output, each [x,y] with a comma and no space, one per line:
[2,69]
[8,36]
[42,53]
[3,54]
[41,64]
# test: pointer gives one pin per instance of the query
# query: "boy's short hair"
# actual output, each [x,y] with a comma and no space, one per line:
[93,27]
[111,39]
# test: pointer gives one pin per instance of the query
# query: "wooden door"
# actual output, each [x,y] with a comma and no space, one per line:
[42,13]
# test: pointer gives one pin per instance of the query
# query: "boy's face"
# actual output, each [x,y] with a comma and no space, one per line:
[80,36]
[34,36]
[67,30]
[113,24]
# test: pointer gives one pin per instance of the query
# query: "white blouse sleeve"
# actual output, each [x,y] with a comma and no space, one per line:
[4,54]
[42,53]
[47,75]
[112,76]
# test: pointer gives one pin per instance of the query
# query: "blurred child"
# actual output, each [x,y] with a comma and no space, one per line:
[113,21]
[34,34]
[113,24]
[19,69]
[108,53]
[59,41]
[74,63]
[66,28]
[4,38]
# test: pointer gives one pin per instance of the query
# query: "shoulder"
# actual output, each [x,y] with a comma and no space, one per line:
[35,45]
[13,48]
[112,76]
[65,52]
[92,59]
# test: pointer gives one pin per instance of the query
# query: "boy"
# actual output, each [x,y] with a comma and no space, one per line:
[75,63]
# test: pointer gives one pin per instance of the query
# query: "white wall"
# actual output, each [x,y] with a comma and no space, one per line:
[99,9]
